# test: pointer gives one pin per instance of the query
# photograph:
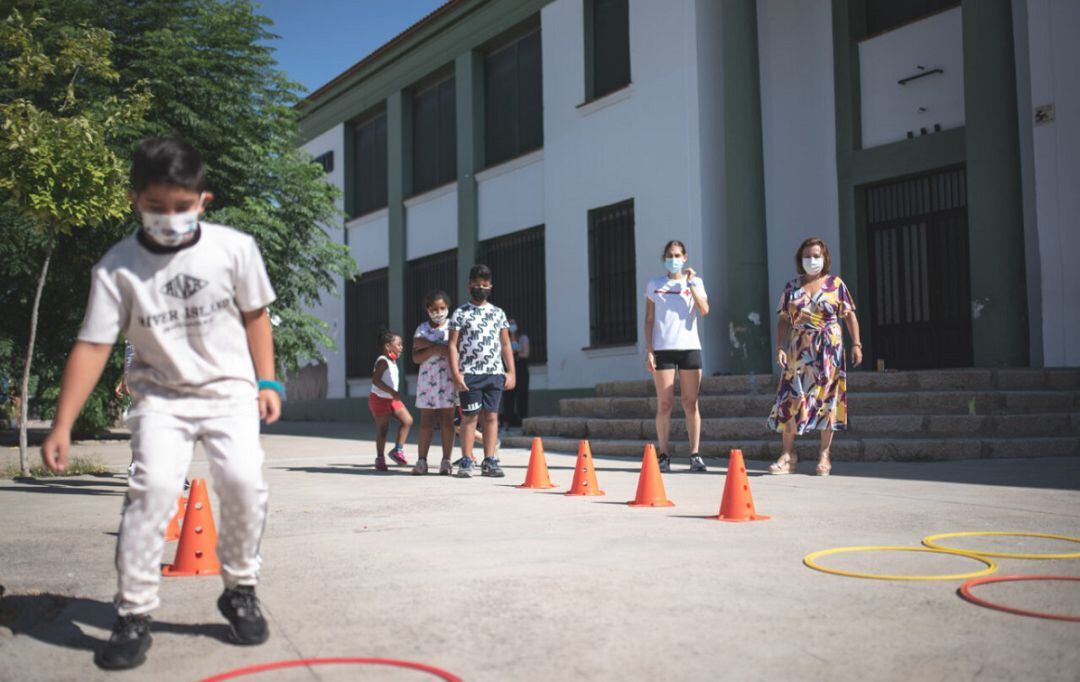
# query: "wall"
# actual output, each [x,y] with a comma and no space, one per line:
[795,50]
[890,110]
[431,222]
[511,196]
[640,143]
[1049,73]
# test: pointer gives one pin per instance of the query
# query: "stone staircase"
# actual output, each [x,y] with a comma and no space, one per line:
[897,416]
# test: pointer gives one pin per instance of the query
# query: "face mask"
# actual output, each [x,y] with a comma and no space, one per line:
[393,357]
[813,265]
[513,328]
[674,265]
[438,318]
[171,229]
[479,293]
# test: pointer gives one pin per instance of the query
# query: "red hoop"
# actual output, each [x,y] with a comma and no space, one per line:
[965,592]
[305,662]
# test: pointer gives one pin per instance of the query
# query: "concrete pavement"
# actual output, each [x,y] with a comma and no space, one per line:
[494,583]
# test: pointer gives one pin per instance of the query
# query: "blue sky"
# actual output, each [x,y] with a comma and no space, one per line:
[322,38]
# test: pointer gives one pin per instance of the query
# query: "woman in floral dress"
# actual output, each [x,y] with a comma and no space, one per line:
[810,352]
[436,396]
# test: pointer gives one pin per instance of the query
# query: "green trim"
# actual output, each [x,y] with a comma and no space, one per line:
[589,57]
[399,156]
[744,178]
[458,30]
[995,210]
[848,22]
[908,157]
[469,98]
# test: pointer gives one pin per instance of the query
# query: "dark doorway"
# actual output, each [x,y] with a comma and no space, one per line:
[917,242]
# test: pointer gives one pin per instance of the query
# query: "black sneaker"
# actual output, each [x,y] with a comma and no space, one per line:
[664,461]
[490,467]
[697,464]
[128,644]
[465,468]
[240,607]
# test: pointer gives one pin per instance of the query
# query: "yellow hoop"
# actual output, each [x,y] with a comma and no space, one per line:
[810,561]
[930,541]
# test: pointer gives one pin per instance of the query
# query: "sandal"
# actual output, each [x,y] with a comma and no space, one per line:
[824,466]
[784,465]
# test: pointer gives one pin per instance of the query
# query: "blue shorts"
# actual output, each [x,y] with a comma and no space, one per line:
[485,392]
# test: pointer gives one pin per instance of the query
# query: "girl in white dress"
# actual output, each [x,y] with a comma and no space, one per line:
[436,396]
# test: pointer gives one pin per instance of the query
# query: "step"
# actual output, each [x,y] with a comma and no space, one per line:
[1017,379]
[870,426]
[844,448]
[923,402]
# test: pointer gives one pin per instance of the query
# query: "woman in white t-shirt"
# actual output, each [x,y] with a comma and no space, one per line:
[673,304]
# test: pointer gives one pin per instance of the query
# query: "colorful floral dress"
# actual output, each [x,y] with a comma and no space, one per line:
[813,387]
[434,388]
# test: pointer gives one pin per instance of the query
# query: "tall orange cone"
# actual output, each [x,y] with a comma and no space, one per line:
[172,533]
[584,473]
[537,475]
[738,503]
[650,486]
[195,554]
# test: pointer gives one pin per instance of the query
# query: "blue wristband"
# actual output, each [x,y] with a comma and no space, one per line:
[272,385]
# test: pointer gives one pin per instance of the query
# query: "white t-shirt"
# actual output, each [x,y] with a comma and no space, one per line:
[675,323]
[389,377]
[181,311]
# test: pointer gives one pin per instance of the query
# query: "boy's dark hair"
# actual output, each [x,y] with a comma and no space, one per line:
[384,337]
[436,295]
[165,161]
[481,272]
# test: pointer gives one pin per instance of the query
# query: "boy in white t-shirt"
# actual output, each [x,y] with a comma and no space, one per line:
[191,298]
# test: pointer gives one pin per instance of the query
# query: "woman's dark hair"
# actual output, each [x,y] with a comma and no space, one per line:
[385,336]
[673,242]
[165,161]
[436,295]
[813,241]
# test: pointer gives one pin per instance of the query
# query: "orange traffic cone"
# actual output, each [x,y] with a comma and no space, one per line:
[537,475]
[584,473]
[650,486]
[196,554]
[172,533]
[738,503]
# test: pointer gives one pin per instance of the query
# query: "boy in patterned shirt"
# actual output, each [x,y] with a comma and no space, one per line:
[482,367]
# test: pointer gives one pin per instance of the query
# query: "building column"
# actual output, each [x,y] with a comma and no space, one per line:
[398,186]
[995,214]
[744,178]
[468,98]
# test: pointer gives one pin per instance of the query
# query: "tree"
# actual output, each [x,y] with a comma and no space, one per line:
[56,165]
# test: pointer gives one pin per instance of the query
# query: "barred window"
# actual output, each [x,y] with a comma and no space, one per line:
[422,276]
[370,165]
[326,160]
[434,142]
[607,46]
[612,275]
[513,100]
[517,269]
[366,312]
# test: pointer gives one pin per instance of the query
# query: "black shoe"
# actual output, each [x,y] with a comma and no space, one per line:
[490,467]
[664,461]
[128,644]
[240,607]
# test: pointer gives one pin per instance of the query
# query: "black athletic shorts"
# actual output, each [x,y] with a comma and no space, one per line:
[677,359]
[485,392]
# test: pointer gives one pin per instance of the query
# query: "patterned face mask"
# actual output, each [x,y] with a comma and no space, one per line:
[171,229]
[439,317]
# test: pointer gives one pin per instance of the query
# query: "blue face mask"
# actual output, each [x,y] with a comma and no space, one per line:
[513,328]
[674,265]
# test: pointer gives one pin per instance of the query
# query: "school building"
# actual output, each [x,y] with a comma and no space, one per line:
[934,144]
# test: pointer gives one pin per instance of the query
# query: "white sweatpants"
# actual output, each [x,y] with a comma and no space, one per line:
[162,446]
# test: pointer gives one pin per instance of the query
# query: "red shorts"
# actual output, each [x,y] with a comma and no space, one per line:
[380,407]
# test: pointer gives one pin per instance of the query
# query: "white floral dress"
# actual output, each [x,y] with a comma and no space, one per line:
[434,388]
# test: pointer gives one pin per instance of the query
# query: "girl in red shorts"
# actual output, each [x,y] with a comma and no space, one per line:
[384,401]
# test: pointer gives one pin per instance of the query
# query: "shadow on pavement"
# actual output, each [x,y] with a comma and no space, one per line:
[352,469]
[66,486]
[55,619]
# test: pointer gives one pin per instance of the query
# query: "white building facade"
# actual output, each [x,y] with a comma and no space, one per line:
[566,142]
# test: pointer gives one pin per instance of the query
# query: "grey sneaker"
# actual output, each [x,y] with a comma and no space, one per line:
[465,468]
[664,461]
[490,467]
[420,468]
[697,464]
[444,467]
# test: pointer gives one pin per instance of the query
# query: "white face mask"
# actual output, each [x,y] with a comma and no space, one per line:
[171,229]
[813,266]
[674,265]
[439,317]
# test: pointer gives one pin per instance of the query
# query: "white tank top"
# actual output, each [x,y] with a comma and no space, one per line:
[389,377]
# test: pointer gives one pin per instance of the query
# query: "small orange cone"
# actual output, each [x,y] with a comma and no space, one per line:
[738,503]
[537,475]
[172,533]
[584,473]
[196,554]
[650,486]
